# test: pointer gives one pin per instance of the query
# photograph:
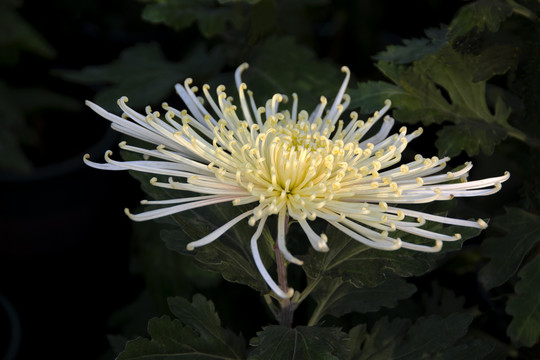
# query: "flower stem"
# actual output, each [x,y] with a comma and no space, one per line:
[286,312]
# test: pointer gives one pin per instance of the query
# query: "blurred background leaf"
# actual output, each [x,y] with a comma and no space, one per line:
[506,253]
[211,17]
[17,35]
[525,306]
[143,74]
[428,338]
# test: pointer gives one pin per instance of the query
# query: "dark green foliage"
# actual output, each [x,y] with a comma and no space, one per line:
[195,334]
[428,338]
[525,306]
[474,83]
[143,74]
[506,253]
[277,342]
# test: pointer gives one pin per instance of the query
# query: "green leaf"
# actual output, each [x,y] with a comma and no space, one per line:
[17,35]
[143,74]
[236,1]
[12,156]
[506,253]
[230,255]
[211,17]
[197,335]
[280,65]
[447,86]
[428,338]
[337,298]
[262,19]
[360,264]
[201,316]
[167,273]
[524,330]
[495,59]
[276,342]
[472,137]
[365,266]
[15,132]
[414,49]
[479,15]
[371,95]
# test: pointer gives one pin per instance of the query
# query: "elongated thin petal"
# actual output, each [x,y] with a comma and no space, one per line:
[280,160]
[260,266]
[218,232]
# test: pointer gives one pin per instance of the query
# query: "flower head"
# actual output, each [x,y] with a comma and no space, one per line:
[292,164]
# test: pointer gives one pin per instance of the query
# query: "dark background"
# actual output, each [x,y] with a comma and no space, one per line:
[64,240]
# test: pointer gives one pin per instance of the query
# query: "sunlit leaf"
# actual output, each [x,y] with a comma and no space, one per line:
[446,86]
[196,334]
[276,342]
[525,306]
[506,253]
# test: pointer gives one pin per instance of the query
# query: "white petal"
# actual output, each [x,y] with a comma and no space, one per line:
[281,239]
[218,232]
[260,266]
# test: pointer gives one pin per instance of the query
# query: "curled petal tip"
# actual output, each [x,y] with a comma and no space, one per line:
[190,247]
[482,223]
[323,247]
[128,213]
[290,293]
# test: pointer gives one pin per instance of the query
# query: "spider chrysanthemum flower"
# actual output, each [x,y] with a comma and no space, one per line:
[292,164]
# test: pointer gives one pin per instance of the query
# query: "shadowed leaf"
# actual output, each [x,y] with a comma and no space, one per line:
[428,338]
[143,74]
[525,306]
[337,298]
[277,342]
[507,252]
[197,335]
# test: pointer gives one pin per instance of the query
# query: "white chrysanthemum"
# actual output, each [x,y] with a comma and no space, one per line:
[290,163]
